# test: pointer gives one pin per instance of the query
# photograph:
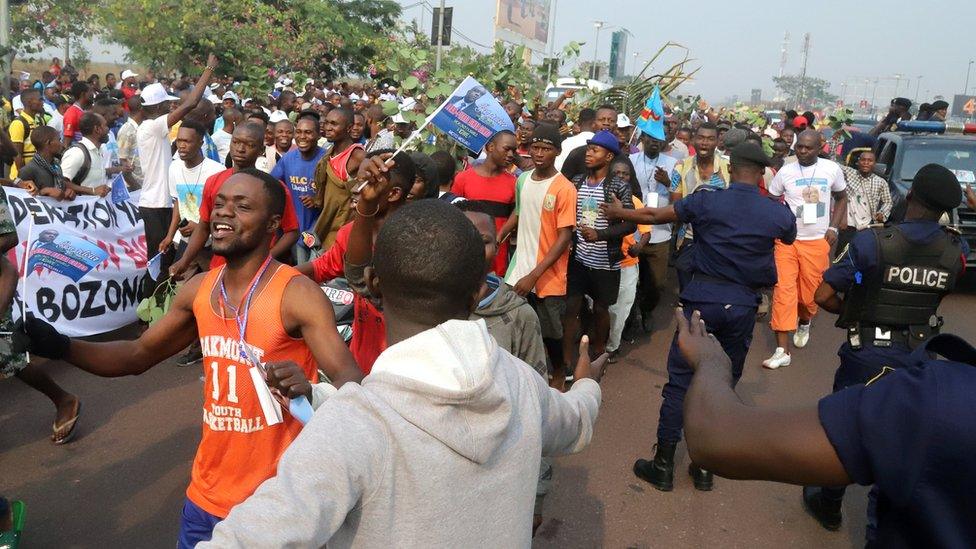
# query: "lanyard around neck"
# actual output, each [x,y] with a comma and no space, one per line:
[243,309]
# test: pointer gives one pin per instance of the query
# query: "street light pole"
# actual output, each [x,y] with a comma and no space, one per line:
[969,69]
[874,94]
[440,37]
[636,55]
[596,48]
[917,86]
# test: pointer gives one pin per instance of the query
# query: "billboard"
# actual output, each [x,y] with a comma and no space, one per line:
[963,106]
[523,22]
[618,54]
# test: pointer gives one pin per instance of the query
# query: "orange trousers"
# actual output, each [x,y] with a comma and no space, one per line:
[799,271]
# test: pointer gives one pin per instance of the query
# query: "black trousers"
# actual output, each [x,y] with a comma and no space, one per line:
[156,223]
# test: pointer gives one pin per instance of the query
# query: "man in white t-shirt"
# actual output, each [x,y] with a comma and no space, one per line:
[221,137]
[808,186]
[587,118]
[155,156]
[654,170]
[187,176]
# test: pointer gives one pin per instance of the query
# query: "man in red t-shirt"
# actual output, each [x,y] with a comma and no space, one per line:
[353,250]
[83,94]
[246,145]
[490,182]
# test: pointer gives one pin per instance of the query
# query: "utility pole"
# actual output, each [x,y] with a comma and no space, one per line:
[917,86]
[803,70]
[636,55]
[596,48]
[440,37]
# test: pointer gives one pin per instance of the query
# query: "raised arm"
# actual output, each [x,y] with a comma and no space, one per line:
[375,173]
[184,109]
[747,442]
[165,338]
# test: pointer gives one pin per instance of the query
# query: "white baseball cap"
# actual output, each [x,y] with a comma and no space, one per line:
[623,121]
[128,74]
[231,95]
[277,116]
[155,94]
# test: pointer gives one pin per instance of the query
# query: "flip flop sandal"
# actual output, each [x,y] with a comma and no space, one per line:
[67,428]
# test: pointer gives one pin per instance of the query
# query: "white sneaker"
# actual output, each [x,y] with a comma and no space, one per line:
[802,335]
[779,358]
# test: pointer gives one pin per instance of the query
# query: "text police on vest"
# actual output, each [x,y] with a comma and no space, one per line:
[918,276]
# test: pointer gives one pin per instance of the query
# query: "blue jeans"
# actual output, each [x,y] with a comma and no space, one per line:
[732,325]
[196,525]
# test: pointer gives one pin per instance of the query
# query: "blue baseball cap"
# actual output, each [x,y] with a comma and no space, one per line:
[607,140]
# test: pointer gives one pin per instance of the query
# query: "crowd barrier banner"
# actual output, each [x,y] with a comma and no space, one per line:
[85,257]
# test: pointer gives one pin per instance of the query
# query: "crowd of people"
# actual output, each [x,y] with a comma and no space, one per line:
[491,290]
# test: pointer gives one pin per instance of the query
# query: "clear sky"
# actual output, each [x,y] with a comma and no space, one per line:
[738,44]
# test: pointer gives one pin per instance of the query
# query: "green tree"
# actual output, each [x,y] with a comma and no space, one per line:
[251,37]
[37,24]
[808,90]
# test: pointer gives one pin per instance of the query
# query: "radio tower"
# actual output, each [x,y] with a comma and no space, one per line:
[784,53]
[803,69]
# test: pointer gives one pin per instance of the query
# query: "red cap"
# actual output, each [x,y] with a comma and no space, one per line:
[800,121]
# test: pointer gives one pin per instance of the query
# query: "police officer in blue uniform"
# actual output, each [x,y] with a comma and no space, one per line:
[892,280]
[735,231]
[909,433]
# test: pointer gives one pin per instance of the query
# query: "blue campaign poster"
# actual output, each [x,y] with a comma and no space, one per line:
[471,116]
[69,255]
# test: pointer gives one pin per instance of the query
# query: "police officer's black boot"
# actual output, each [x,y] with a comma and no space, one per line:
[703,479]
[660,471]
[823,508]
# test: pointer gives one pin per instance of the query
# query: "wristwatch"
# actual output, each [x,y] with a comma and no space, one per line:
[833,229]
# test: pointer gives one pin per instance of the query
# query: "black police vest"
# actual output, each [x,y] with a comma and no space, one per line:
[908,285]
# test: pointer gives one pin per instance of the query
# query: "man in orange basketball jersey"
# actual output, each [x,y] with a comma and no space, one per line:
[254,309]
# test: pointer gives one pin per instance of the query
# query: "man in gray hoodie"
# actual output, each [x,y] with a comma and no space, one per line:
[441,444]
[512,322]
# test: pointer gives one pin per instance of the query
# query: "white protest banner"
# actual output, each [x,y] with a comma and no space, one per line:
[102,299]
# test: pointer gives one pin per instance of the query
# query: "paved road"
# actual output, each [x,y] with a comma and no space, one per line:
[121,482]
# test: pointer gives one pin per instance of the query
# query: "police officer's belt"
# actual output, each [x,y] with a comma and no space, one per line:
[866,335]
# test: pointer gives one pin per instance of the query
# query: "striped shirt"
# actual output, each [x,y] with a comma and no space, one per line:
[592,254]
[866,196]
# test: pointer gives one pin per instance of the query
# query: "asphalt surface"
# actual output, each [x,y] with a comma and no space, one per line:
[121,482]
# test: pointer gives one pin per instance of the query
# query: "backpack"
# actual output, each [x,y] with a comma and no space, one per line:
[85,166]
[41,121]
